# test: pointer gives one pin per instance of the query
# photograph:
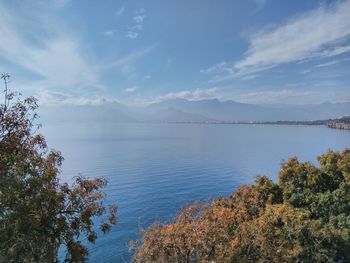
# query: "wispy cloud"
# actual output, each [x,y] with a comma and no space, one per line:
[57,60]
[322,32]
[109,33]
[324,65]
[334,51]
[332,62]
[132,34]
[126,64]
[120,12]
[54,98]
[137,27]
[197,94]
[139,19]
[131,89]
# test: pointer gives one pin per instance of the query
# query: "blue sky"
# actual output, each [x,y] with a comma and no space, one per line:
[138,52]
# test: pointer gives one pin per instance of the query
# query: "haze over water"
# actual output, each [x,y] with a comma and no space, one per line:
[155,169]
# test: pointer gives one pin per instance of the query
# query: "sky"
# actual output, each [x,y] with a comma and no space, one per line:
[140,52]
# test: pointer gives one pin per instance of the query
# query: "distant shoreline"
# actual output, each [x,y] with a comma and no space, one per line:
[341,123]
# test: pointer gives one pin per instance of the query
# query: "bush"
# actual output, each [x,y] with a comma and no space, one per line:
[305,217]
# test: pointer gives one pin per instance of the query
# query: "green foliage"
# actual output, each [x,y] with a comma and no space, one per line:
[303,218]
[38,214]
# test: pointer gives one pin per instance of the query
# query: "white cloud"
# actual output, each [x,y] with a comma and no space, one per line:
[57,60]
[55,98]
[335,51]
[137,27]
[131,89]
[120,12]
[217,68]
[318,33]
[332,62]
[139,19]
[197,94]
[132,34]
[60,63]
[109,33]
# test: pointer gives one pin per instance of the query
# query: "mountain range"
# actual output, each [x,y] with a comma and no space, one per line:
[182,110]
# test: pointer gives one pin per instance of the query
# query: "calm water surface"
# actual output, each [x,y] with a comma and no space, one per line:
[155,169]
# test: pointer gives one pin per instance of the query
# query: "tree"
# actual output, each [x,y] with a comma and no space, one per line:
[38,214]
[305,217]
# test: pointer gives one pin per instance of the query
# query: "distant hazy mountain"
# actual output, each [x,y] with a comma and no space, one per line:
[181,110]
[235,111]
[175,115]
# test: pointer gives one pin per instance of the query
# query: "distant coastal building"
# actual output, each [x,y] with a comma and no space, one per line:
[342,123]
